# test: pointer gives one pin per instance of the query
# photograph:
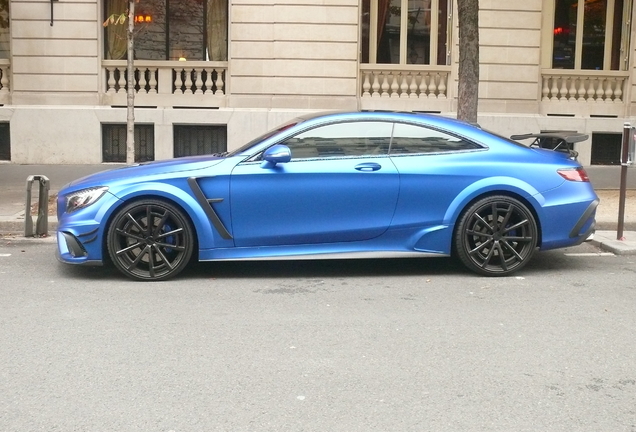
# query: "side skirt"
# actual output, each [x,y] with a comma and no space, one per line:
[237,255]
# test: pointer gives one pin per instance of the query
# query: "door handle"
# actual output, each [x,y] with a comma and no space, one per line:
[368,166]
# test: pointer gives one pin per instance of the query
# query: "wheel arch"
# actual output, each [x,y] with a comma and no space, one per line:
[510,187]
[187,205]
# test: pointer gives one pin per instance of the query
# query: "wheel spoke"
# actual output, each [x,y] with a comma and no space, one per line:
[478,234]
[502,258]
[149,220]
[515,226]
[488,257]
[170,246]
[485,222]
[513,250]
[134,221]
[519,238]
[136,261]
[480,247]
[129,234]
[163,257]
[162,222]
[151,262]
[164,235]
[507,216]
[494,215]
[129,248]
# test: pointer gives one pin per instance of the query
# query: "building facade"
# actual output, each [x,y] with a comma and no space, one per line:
[212,74]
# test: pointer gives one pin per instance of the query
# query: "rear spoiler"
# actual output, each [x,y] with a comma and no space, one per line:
[561,141]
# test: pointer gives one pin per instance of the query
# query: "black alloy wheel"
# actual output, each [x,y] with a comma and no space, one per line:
[496,236]
[150,240]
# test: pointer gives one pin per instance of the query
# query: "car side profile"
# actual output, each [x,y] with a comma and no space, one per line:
[336,185]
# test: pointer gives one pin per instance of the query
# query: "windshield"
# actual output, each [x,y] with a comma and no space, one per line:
[265,136]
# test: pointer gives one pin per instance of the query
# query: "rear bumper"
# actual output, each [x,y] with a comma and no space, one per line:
[586,224]
[585,227]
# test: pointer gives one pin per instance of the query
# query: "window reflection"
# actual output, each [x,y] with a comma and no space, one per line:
[587,47]
[404,32]
[172,30]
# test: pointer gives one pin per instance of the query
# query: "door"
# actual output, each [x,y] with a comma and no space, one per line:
[340,186]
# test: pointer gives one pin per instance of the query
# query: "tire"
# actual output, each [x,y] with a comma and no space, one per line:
[150,240]
[496,236]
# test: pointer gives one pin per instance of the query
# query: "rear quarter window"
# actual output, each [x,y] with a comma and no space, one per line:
[409,139]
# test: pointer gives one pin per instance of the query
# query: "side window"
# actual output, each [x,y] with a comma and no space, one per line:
[408,139]
[342,139]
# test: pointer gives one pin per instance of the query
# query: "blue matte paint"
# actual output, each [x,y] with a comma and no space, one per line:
[329,205]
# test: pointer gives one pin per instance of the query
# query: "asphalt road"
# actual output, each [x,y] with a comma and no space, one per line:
[402,345]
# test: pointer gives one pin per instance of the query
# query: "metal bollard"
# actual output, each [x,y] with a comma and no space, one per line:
[42,224]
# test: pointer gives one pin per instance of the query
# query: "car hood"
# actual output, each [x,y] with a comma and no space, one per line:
[145,169]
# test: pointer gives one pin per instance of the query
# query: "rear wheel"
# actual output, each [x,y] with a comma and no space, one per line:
[150,240]
[496,236]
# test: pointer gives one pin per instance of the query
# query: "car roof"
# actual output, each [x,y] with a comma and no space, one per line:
[435,119]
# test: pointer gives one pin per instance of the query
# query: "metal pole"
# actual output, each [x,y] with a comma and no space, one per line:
[41,225]
[623,185]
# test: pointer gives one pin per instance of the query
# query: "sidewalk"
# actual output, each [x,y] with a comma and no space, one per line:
[606,181]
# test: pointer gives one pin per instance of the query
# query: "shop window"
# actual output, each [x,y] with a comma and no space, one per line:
[114,142]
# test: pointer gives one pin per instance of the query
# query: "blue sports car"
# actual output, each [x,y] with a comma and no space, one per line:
[338,185]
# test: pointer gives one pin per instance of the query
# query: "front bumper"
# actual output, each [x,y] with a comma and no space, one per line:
[72,249]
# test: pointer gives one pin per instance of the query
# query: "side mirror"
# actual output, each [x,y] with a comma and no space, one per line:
[276,154]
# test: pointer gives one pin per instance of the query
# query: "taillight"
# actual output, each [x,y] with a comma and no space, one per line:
[574,174]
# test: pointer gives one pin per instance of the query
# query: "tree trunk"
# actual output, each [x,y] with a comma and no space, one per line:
[130,93]
[468,96]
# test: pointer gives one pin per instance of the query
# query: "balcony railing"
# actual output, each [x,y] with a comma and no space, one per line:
[5,87]
[586,92]
[414,86]
[167,83]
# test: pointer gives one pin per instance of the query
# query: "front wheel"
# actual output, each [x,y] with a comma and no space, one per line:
[150,240]
[496,236]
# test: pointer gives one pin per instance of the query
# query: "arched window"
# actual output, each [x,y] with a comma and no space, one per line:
[406,31]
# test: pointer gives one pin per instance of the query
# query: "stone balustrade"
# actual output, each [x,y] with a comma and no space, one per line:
[168,83]
[404,81]
[583,85]
[5,74]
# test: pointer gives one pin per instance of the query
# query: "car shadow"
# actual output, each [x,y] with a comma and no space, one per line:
[541,262]
[325,268]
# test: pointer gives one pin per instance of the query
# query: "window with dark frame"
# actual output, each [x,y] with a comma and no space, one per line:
[114,142]
[589,46]
[5,141]
[192,140]
[194,30]
[606,148]
[405,31]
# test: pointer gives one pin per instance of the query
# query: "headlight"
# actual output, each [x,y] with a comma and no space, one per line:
[84,198]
